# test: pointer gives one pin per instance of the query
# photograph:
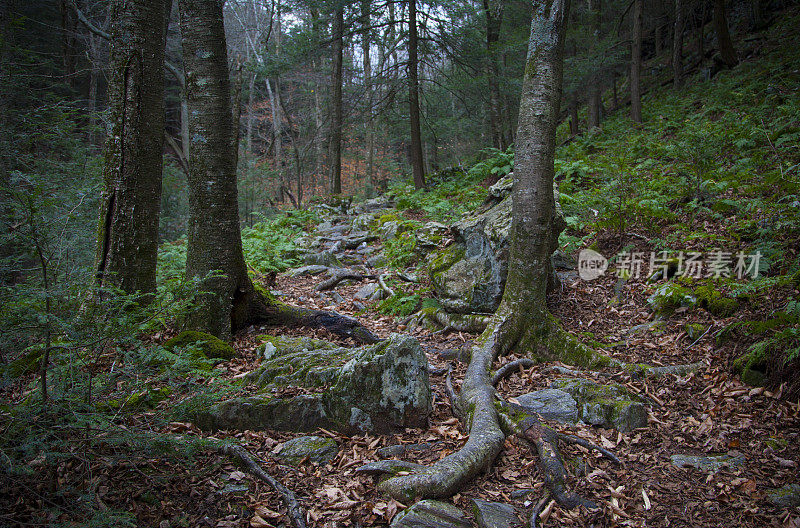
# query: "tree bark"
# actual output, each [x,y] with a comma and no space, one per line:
[367,64]
[724,43]
[595,100]
[636,62]
[214,253]
[493,10]
[335,153]
[677,45]
[131,199]
[417,163]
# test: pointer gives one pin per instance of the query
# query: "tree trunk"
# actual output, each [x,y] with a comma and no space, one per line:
[335,153]
[215,247]
[493,10]
[523,310]
[417,163]
[636,62]
[574,128]
[677,46]
[595,100]
[131,199]
[367,63]
[724,43]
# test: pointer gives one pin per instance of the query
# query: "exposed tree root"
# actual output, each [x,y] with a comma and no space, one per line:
[296,513]
[537,511]
[338,275]
[472,323]
[382,283]
[509,368]
[272,312]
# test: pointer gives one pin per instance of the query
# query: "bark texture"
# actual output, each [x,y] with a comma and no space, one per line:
[335,154]
[215,245]
[417,162]
[636,61]
[595,100]
[131,199]
[677,45]
[726,51]
[494,21]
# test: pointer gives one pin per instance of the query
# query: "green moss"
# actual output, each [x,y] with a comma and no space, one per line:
[147,399]
[210,346]
[714,301]
[751,369]
[670,296]
[695,330]
[777,444]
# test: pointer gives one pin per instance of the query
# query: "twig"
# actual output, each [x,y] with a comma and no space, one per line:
[701,337]
[296,513]
[572,439]
[509,368]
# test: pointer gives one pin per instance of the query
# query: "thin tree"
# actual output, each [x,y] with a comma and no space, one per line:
[677,45]
[335,147]
[636,61]
[595,100]
[366,41]
[127,241]
[417,162]
[493,10]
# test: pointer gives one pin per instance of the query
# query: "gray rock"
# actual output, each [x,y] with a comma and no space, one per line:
[430,234]
[522,493]
[494,514]
[313,269]
[431,514]
[503,187]
[366,291]
[563,261]
[317,449]
[359,306]
[234,489]
[323,258]
[469,275]
[388,381]
[376,261]
[785,497]
[363,221]
[338,299]
[551,404]
[611,406]
[709,463]
[389,229]
[374,388]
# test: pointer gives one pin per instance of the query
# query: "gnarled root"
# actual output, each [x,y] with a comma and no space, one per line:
[509,368]
[486,438]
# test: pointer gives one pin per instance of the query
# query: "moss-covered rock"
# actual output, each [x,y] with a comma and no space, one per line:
[751,369]
[431,514]
[695,331]
[714,301]
[611,406]
[210,346]
[377,388]
[315,449]
[670,296]
[786,497]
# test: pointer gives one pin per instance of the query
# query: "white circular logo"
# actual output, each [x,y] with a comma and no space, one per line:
[591,264]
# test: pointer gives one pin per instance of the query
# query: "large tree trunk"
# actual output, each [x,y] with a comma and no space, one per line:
[636,62]
[677,45]
[724,43]
[417,163]
[131,199]
[494,21]
[335,153]
[595,100]
[215,246]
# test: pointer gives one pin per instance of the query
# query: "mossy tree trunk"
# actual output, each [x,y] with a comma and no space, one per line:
[335,148]
[636,61]
[724,43]
[127,241]
[522,320]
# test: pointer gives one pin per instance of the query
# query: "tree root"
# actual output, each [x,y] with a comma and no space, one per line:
[538,509]
[382,283]
[296,513]
[338,275]
[470,323]
[509,368]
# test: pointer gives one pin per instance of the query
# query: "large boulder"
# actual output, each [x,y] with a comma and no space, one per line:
[315,449]
[377,388]
[469,275]
[431,514]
